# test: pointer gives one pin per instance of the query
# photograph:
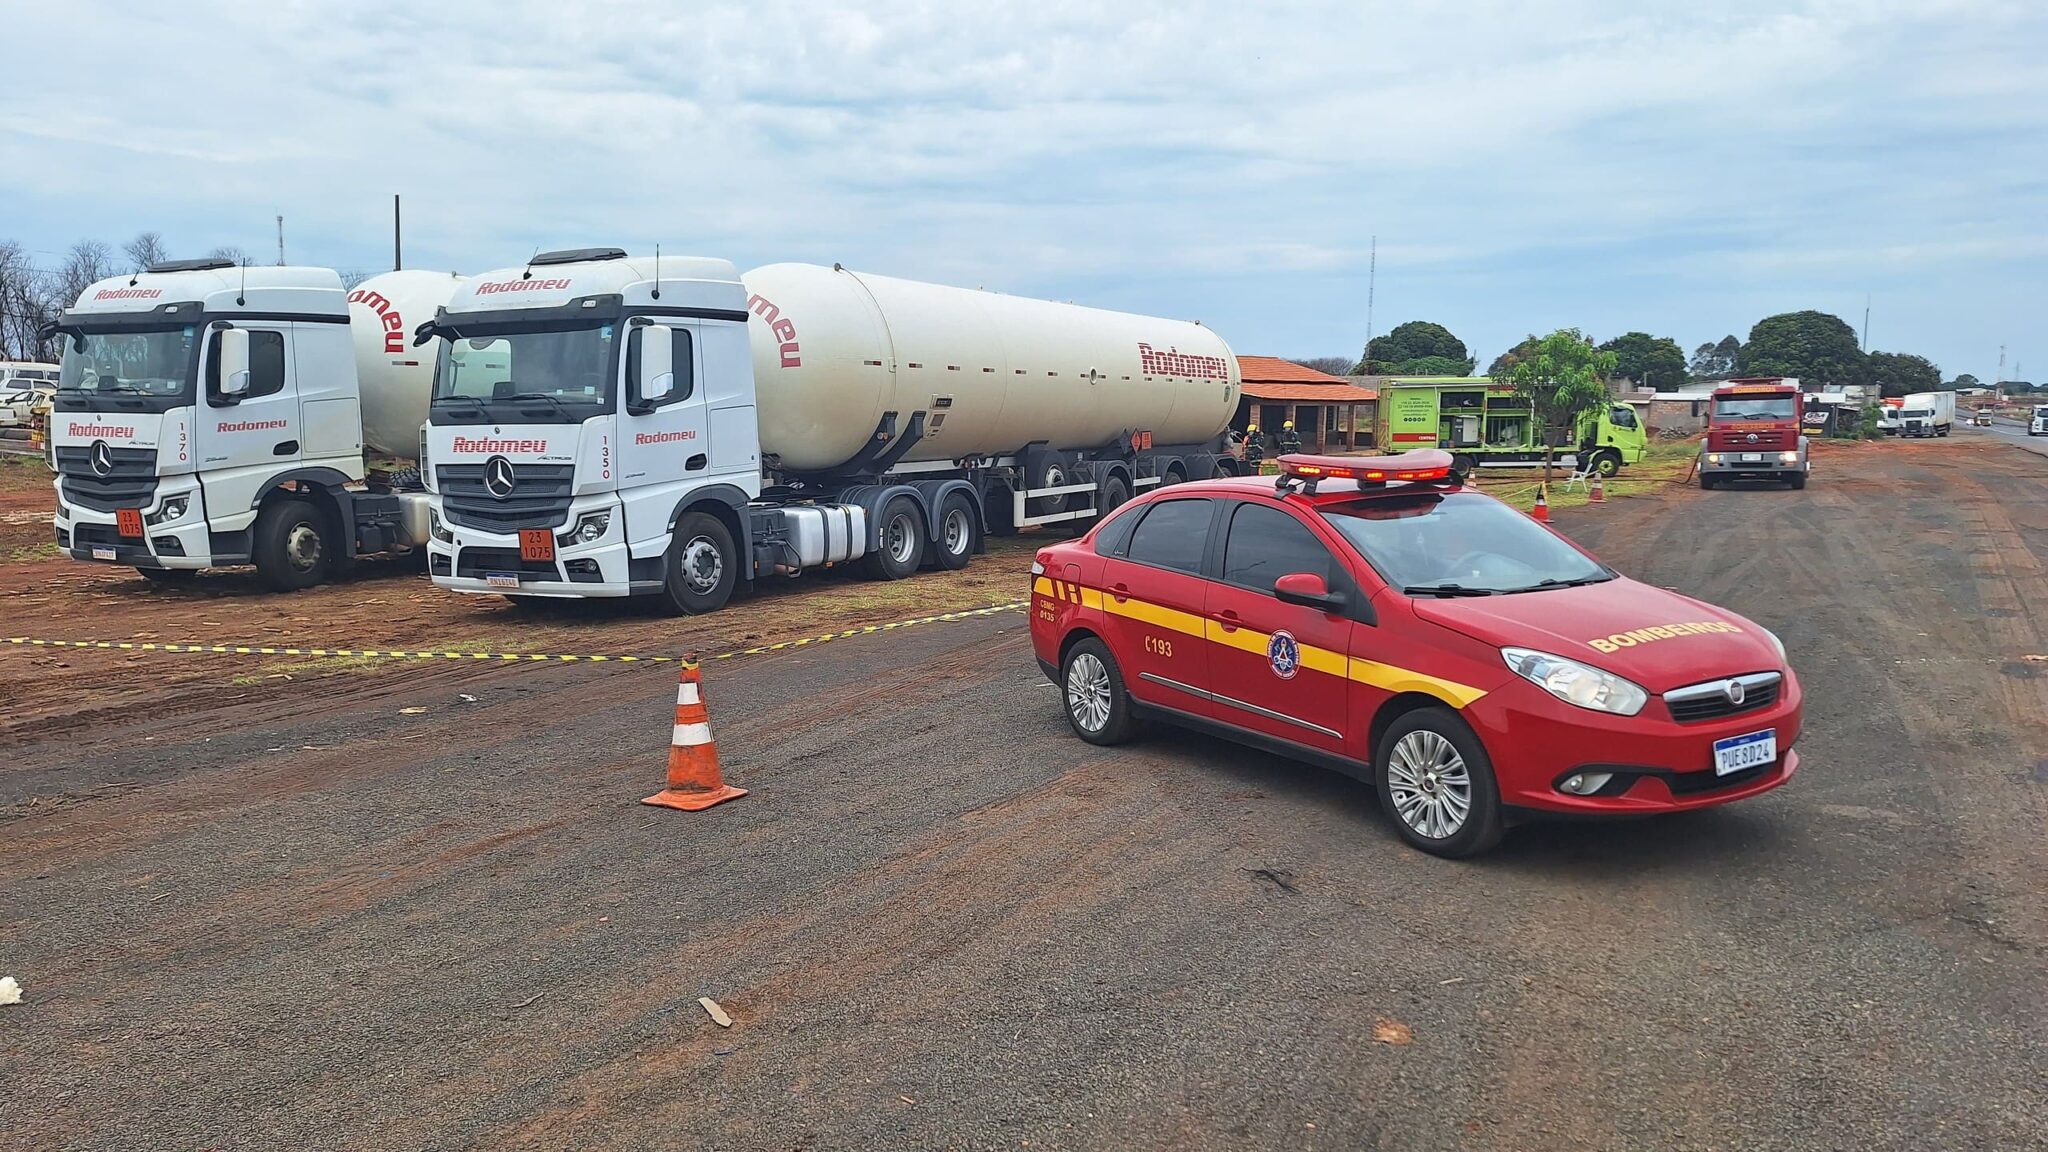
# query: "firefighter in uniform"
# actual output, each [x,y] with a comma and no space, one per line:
[1290,441]
[1254,448]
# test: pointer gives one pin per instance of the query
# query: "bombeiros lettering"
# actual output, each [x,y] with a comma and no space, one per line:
[488,444]
[1619,640]
[521,286]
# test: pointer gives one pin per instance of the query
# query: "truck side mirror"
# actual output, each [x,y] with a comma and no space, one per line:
[234,362]
[657,363]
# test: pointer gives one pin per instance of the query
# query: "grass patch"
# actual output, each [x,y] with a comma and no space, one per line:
[47,550]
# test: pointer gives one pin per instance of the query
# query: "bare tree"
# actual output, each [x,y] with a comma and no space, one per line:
[350,277]
[20,290]
[1328,365]
[145,251]
[231,253]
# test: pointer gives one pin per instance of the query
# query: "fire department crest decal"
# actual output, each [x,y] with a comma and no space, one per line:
[1284,655]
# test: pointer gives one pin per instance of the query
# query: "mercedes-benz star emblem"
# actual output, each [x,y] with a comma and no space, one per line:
[499,479]
[1736,693]
[102,457]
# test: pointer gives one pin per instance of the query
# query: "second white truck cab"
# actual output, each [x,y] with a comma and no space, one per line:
[1927,414]
[2037,425]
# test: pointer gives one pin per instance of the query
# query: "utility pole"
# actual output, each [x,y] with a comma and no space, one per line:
[397,250]
[1372,276]
[1865,343]
[280,241]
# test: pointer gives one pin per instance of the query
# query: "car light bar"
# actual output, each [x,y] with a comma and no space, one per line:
[1406,467]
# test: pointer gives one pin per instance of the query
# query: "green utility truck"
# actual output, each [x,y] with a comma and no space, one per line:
[1477,418]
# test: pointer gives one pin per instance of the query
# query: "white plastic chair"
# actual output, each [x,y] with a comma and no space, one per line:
[1584,474]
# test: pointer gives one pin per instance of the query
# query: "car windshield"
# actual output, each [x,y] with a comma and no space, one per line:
[129,370]
[558,374]
[1753,408]
[1449,543]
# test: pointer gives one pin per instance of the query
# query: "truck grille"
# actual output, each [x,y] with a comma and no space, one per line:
[1773,441]
[1711,700]
[539,499]
[129,483]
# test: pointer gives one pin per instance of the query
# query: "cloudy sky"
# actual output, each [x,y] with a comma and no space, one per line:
[1611,164]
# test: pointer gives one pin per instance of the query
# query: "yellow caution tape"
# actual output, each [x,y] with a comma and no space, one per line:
[398,654]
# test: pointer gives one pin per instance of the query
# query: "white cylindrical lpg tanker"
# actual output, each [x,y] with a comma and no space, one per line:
[613,425]
[211,415]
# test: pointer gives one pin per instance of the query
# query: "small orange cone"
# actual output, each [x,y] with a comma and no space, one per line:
[694,782]
[1542,510]
[1598,493]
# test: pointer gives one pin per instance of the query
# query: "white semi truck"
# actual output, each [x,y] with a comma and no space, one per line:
[606,425]
[1927,414]
[2037,425]
[209,415]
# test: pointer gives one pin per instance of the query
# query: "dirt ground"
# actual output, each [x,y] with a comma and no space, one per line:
[418,907]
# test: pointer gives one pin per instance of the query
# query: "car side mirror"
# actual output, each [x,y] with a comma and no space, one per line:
[1308,590]
[657,363]
[234,362]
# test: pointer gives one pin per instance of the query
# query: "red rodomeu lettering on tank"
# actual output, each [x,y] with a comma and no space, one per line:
[783,330]
[1174,362]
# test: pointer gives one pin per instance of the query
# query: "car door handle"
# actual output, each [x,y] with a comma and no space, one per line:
[1228,619]
[1121,592]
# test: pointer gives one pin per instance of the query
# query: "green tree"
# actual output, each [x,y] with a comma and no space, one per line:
[1506,361]
[1964,381]
[1650,361]
[1563,377]
[1821,350]
[1395,353]
[1715,360]
[1901,373]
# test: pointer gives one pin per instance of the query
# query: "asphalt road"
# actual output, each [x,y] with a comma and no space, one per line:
[940,921]
[2014,434]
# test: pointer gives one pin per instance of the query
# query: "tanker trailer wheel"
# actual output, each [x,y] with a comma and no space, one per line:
[955,538]
[293,545]
[701,566]
[1116,492]
[899,541]
[1053,475]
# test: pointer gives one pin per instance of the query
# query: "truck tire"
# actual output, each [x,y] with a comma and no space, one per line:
[1436,784]
[1054,474]
[956,537]
[1797,481]
[292,545]
[899,541]
[701,566]
[1607,463]
[1116,492]
[1706,482]
[1092,688]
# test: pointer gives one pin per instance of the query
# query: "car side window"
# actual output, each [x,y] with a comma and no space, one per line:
[266,366]
[1266,543]
[1173,534]
[1110,540]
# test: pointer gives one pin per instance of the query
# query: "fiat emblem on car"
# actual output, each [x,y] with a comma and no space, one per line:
[1735,692]
[1284,655]
[499,479]
[102,457]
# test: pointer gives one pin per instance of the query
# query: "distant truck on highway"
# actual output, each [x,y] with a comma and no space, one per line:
[1927,414]
[2038,425]
[208,415]
[606,425]
[1754,432]
[1477,419]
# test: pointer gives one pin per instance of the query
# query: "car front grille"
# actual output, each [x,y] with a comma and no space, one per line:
[1711,700]
[540,499]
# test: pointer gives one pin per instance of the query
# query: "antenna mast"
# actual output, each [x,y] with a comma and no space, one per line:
[1372,277]
[397,249]
[1866,324]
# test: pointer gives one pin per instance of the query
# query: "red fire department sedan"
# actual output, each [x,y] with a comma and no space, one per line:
[1377,616]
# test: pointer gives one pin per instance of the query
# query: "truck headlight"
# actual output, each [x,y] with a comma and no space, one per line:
[173,509]
[1788,457]
[1714,458]
[438,530]
[590,528]
[1574,683]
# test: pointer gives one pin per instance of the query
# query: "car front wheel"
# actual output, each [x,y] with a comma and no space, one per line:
[1436,783]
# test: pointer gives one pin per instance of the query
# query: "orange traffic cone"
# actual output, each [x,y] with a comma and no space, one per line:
[694,782]
[1597,494]
[1542,510]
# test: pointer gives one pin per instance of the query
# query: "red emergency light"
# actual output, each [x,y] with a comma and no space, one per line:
[1407,467]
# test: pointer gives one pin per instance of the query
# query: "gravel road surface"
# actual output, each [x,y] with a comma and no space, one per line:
[940,921]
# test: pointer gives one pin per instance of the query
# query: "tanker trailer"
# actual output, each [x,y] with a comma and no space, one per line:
[210,415]
[608,425]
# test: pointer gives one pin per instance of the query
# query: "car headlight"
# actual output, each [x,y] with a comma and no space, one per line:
[1574,683]
[173,509]
[590,528]
[1776,643]
[438,530]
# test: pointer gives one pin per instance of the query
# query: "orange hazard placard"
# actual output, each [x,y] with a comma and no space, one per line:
[536,544]
[128,521]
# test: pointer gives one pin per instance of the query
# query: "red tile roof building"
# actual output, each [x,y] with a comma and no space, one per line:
[1330,413]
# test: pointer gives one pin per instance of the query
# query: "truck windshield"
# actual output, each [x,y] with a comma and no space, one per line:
[552,375]
[1753,408]
[1917,414]
[1452,543]
[127,371]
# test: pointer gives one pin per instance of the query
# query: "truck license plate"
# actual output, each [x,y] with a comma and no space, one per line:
[502,579]
[1751,457]
[128,521]
[536,544]
[1739,752]
[103,554]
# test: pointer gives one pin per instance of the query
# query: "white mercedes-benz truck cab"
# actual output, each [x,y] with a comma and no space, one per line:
[210,415]
[606,425]
[2038,424]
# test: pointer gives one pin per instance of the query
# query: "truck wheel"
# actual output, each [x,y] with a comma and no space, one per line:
[1436,784]
[956,535]
[1607,463]
[1706,481]
[1053,475]
[1097,706]
[292,545]
[701,567]
[899,541]
[1116,492]
[1797,481]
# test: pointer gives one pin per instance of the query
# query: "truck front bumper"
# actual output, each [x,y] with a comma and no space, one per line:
[486,562]
[1771,466]
[95,537]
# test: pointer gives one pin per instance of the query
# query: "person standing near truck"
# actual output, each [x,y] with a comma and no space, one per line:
[1254,449]
[1290,440]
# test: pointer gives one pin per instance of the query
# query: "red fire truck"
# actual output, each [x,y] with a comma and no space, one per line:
[1753,433]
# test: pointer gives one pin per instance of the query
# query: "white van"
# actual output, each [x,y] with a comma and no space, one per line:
[19,375]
